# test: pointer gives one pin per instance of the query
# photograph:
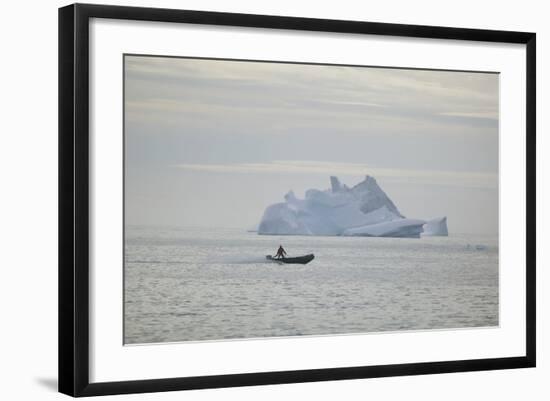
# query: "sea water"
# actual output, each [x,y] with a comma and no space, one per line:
[194,284]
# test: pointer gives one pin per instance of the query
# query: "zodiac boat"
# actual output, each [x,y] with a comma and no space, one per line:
[302,260]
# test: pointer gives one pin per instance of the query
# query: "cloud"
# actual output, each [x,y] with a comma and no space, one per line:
[167,91]
[490,115]
[429,177]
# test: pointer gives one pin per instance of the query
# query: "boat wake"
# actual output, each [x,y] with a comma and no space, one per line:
[244,260]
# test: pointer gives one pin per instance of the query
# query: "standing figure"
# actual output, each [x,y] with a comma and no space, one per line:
[281,253]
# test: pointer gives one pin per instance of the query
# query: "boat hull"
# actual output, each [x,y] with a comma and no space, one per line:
[301,260]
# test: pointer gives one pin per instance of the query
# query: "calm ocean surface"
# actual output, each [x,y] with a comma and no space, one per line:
[210,284]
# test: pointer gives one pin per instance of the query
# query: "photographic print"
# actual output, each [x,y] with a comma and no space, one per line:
[273,199]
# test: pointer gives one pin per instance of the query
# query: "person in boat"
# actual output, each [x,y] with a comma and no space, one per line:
[281,253]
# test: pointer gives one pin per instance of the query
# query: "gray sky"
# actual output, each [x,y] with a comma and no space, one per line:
[212,143]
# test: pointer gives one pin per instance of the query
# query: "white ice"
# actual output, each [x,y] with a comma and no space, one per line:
[364,210]
[436,227]
[402,228]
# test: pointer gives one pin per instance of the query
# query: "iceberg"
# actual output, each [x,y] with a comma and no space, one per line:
[362,210]
[436,227]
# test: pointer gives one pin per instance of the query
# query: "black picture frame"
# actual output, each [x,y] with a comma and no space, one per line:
[74,199]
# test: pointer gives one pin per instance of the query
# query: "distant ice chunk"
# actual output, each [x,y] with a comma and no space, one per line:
[436,227]
[363,210]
